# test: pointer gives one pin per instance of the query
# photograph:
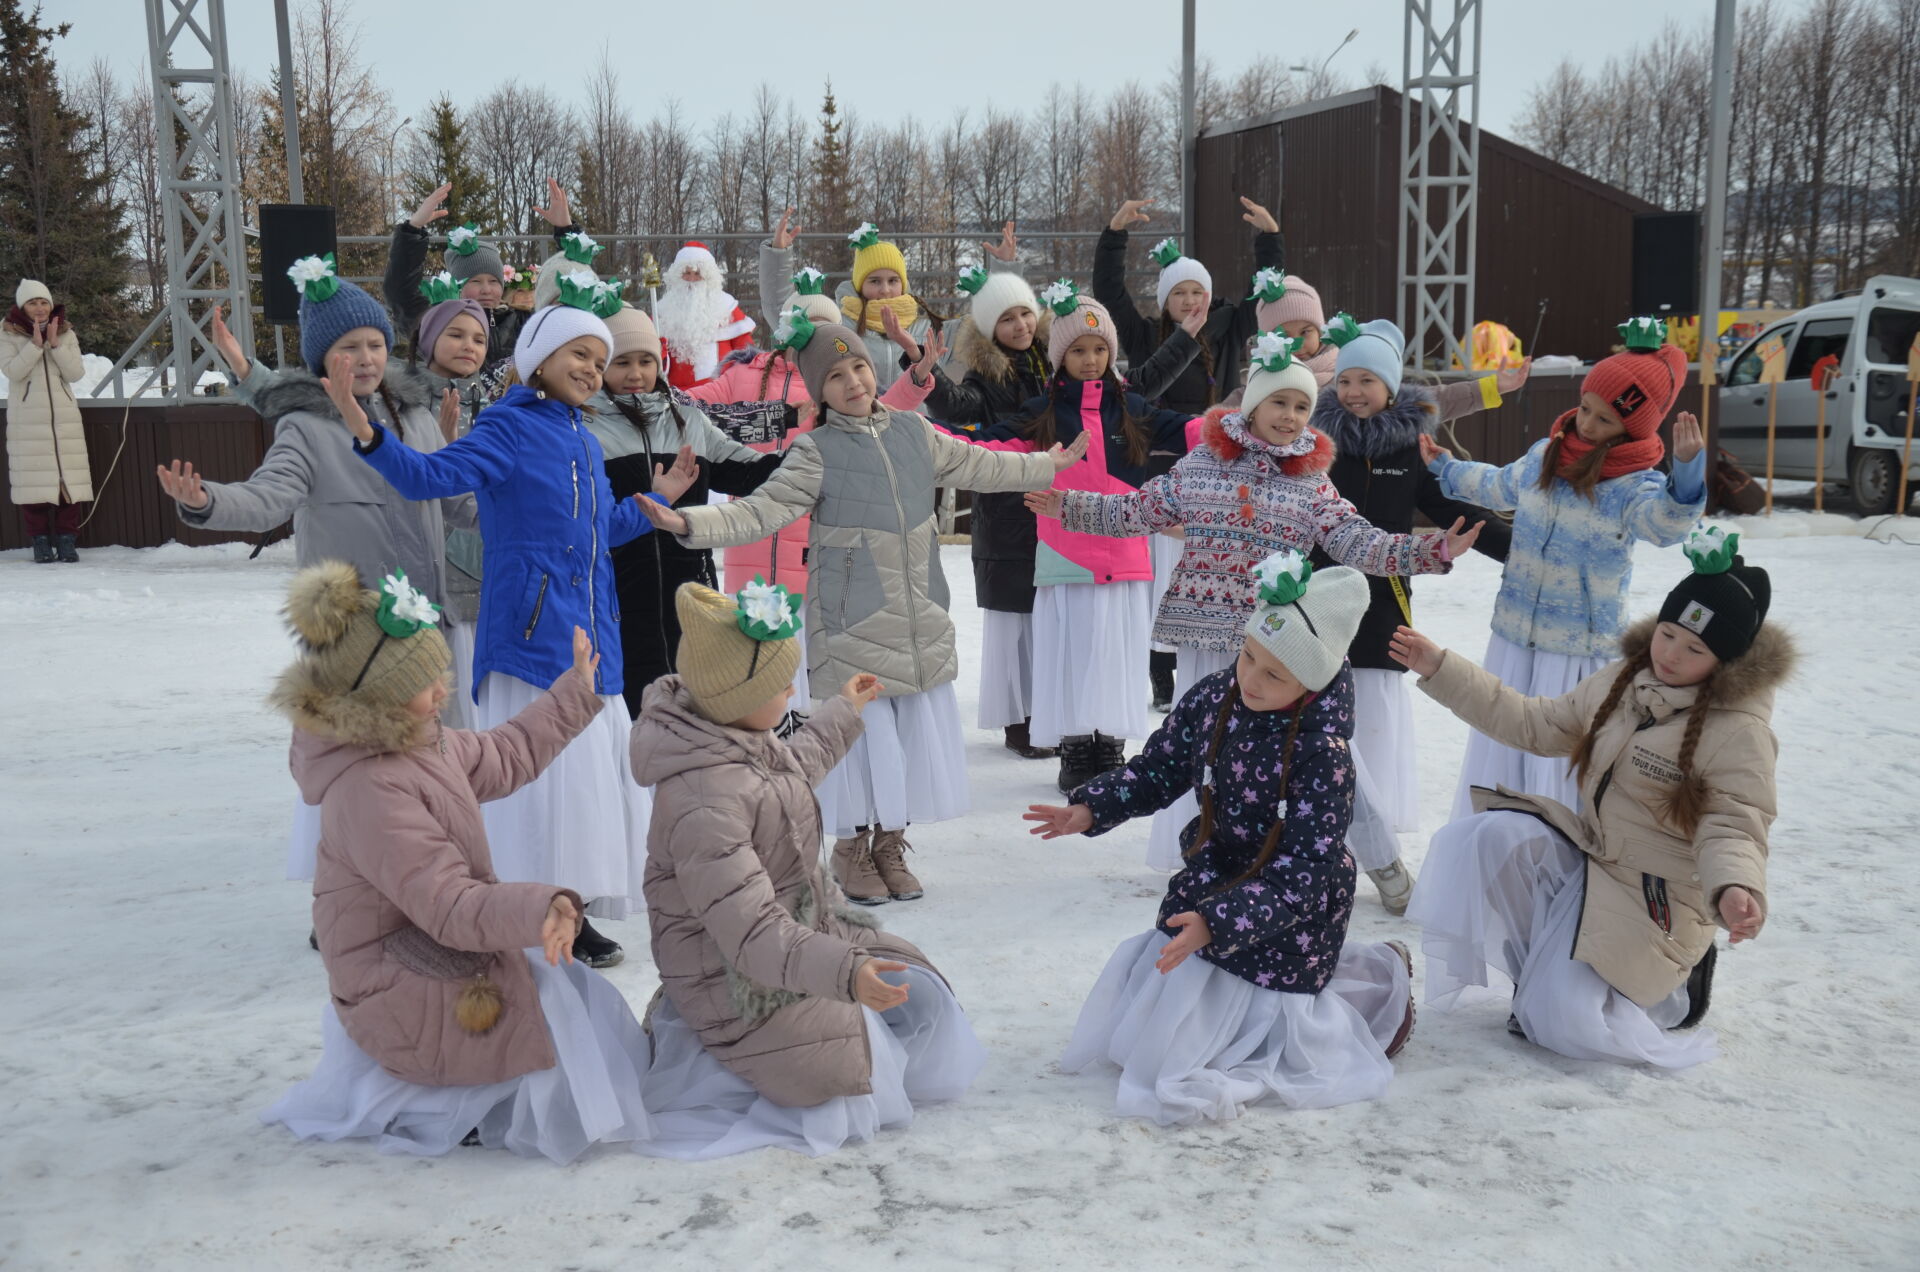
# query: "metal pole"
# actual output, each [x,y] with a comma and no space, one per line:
[289,105]
[1187,140]
[1714,231]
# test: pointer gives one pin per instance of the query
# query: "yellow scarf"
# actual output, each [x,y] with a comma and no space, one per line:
[904,307]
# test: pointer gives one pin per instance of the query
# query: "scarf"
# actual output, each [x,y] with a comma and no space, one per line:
[1623,457]
[1235,427]
[1392,430]
[904,307]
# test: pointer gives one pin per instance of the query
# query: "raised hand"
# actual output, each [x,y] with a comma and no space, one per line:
[1258,217]
[861,690]
[182,485]
[671,482]
[898,334]
[1413,651]
[1688,440]
[1740,911]
[431,208]
[558,929]
[1055,822]
[1457,542]
[1510,378]
[1194,935]
[227,347]
[338,382]
[557,213]
[584,659]
[1046,503]
[930,354]
[1196,320]
[1004,250]
[1431,450]
[786,232]
[1066,457]
[1132,212]
[663,517]
[870,991]
[450,415]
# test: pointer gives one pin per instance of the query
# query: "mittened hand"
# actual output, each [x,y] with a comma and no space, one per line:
[339,386]
[870,991]
[585,661]
[861,690]
[1740,911]
[559,928]
[1430,450]
[1054,821]
[1194,935]
[1414,652]
[671,483]
[1688,440]
[1046,503]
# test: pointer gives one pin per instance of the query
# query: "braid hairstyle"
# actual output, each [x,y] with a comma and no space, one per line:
[1585,475]
[1581,757]
[1271,844]
[1686,803]
[1205,359]
[1039,429]
[766,371]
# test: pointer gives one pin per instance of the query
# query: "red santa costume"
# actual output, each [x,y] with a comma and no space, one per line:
[699,323]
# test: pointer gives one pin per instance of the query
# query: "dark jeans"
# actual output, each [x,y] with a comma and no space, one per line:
[50,519]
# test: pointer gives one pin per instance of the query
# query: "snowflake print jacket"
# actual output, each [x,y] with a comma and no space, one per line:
[1281,929]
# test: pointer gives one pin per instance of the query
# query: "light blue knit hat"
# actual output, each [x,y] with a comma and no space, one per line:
[1379,348]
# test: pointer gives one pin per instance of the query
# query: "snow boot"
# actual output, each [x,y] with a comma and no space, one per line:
[1406,1025]
[1699,988]
[1020,742]
[42,549]
[1079,762]
[1395,885]
[1110,752]
[853,870]
[1160,671]
[65,545]
[890,863]
[594,949]
[1514,1027]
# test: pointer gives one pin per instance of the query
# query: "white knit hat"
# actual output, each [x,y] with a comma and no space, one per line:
[1177,269]
[998,294]
[31,289]
[1275,368]
[551,328]
[819,309]
[1305,617]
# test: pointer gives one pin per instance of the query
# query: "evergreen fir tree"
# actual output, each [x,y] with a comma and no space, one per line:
[444,139]
[827,198]
[63,225]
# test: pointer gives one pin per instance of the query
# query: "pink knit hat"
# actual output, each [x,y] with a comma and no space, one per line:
[1301,302]
[1075,316]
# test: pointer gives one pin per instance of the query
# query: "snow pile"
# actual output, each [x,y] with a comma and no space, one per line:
[158,992]
[99,370]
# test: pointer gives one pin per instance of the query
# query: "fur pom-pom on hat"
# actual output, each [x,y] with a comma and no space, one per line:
[323,601]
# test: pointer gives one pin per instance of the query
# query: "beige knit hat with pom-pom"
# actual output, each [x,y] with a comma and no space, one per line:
[736,653]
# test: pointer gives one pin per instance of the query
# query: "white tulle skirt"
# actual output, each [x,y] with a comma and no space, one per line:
[1165,550]
[1202,1043]
[458,713]
[1006,669]
[1383,739]
[923,1051]
[1490,764]
[1163,836]
[303,840]
[1502,892]
[908,767]
[1090,660]
[582,824]
[591,1096]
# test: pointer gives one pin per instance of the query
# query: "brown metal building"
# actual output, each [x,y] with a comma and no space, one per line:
[1331,169]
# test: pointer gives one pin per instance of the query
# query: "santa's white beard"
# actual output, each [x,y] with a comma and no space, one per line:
[689,317]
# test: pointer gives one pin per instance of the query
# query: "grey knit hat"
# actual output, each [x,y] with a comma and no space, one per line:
[830,345]
[468,255]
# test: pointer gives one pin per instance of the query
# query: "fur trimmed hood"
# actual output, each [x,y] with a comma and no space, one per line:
[984,354]
[1746,683]
[1394,429]
[346,727]
[296,390]
[1226,435]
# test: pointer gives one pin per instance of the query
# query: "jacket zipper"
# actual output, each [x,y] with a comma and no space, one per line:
[539,603]
[906,561]
[660,599]
[593,540]
[1599,792]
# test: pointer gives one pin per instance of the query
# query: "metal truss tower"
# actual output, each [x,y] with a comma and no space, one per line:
[1439,179]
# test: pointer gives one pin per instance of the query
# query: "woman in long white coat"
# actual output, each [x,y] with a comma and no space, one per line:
[46,446]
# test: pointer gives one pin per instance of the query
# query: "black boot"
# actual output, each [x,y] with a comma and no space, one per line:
[42,549]
[1109,752]
[1160,672]
[1700,988]
[1079,762]
[68,552]
[1020,742]
[595,950]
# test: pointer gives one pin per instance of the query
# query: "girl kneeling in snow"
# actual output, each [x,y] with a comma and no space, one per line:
[444,1024]
[777,1028]
[1276,1003]
[1604,920]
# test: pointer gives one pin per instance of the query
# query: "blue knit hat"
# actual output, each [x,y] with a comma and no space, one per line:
[330,307]
[1379,348]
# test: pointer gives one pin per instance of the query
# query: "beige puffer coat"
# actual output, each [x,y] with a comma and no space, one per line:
[46,445]
[752,950]
[1652,900]
[877,599]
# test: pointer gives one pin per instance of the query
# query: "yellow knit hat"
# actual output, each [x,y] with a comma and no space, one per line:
[736,653]
[870,253]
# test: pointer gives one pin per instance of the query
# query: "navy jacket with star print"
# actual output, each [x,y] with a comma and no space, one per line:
[1281,929]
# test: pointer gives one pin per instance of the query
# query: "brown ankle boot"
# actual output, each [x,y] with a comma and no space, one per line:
[853,870]
[890,860]
[1019,740]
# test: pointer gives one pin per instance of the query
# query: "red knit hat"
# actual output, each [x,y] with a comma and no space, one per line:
[1641,384]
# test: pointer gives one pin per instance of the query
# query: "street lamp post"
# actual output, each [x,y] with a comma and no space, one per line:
[1329,58]
[391,138]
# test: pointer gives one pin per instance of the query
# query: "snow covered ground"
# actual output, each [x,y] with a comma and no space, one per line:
[157,991]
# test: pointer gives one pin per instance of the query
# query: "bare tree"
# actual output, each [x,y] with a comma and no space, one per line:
[523,136]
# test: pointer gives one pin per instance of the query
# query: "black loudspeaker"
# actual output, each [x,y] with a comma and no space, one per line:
[289,231]
[1666,262]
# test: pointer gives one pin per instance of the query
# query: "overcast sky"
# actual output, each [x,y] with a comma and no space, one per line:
[884,58]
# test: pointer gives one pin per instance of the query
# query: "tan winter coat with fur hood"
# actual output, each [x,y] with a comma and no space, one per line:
[405,903]
[750,947]
[1652,899]
[46,443]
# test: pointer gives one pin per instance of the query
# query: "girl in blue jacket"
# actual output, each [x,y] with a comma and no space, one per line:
[550,523]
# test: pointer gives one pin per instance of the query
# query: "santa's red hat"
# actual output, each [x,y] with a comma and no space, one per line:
[696,254]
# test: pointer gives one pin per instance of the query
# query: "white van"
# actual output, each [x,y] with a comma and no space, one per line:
[1869,333]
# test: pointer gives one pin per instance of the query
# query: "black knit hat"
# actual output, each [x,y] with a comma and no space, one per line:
[1724,600]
